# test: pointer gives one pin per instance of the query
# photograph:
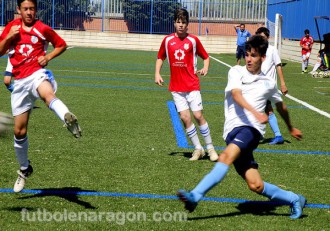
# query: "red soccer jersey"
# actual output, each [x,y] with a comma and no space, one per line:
[29,46]
[308,42]
[182,57]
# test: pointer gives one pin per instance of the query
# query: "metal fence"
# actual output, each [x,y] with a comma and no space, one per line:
[141,16]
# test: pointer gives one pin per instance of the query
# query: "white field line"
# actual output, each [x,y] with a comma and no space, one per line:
[290,97]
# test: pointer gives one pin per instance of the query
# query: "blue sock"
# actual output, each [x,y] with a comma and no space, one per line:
[274,125]
[277,194]
[210,180]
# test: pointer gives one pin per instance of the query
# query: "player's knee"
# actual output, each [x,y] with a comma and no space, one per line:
[20,133]
[256,186]
[199,118]
[184,117]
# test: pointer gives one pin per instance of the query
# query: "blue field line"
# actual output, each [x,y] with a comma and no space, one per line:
[146,196]
[182,141]
[221,103]
[180,135]
[106,77]
[273,151]
[127,87]
[113,87]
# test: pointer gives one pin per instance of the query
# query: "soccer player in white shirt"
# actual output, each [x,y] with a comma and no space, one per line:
[246,95]
[272,66]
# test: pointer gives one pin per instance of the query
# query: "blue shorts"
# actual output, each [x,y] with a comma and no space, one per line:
[240,52]
[247,139]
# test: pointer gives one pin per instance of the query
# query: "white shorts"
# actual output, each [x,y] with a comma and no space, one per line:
[186,100]
[25,92]
[9,69]
[305,56]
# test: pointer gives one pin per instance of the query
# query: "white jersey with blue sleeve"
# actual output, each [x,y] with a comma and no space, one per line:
[256,90]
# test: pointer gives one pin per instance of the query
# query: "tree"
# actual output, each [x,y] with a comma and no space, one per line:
[150,16]
[66,14]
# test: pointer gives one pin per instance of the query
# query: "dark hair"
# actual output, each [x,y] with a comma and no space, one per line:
[259,43]
[242,24]
[306,31]
[19,2]
[181,14]
[263,30]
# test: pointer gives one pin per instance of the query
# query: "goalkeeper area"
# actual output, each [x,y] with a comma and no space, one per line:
[132,156]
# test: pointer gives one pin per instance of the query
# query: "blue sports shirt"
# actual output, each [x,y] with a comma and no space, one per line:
[242,36]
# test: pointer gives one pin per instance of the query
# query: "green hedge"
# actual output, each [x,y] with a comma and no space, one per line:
[139,15]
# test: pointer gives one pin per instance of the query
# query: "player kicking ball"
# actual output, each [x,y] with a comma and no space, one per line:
[246,95]
[26,39]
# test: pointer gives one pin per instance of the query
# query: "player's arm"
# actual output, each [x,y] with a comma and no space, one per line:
[283,111]
[205,68]
[44,60]
[240,100]
[5,43]
[158,78]
[279,71]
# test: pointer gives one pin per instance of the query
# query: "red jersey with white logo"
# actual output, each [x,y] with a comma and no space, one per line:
[29,46]
[306,42]
[182,57]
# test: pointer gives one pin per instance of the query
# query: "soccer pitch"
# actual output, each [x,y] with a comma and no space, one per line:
[133,156]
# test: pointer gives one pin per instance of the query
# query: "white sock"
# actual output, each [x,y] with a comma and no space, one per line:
[205,131]
[192,134]
[59,108]
[316,66]
[306,64]
[21,149]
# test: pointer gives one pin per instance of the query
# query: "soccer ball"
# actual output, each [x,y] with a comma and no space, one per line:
[321,74]
[6,123]
[315,74]
[326,74]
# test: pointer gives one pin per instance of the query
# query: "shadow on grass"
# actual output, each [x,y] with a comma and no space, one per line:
[258,208]
[187,155]
[70,194]
[266,141]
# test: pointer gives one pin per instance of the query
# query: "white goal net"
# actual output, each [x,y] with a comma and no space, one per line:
[275,29]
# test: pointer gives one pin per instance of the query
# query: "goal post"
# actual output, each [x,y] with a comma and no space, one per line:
[275,29]
[278,33]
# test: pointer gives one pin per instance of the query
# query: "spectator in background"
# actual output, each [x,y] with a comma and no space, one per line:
[306,44]
[242,37]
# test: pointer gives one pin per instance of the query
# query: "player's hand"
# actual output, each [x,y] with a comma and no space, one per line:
[43,61]
[296,133]
[284,89]
[261,117]
[14,31]
[202,71]
[159,80]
